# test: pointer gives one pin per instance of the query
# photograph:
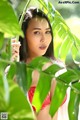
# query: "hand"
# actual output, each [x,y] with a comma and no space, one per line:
[15,49]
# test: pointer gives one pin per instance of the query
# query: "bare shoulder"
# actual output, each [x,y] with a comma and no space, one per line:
[53,61]
[46,65]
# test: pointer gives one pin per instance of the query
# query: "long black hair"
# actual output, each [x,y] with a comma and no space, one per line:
[32,13]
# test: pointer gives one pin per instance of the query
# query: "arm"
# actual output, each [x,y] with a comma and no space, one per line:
[53,85]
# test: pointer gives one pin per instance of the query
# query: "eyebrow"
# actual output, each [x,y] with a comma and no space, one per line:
[40,29]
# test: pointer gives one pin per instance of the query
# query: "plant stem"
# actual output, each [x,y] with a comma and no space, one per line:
[23,13]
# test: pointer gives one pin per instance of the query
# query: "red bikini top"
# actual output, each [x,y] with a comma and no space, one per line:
[31,94]
[46,101]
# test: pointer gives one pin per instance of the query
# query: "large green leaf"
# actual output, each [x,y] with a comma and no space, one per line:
[19,107]
[12,99]
[58,97]
[29,77]
[62,33]
[69,76]
[8,20]
[70,61]
[77,86]
[52,69]
[21,75]
[4,92]
[42,90]
[38,62]
[73,106]
[62,36]
[72,64]
[48,74]
[65,46]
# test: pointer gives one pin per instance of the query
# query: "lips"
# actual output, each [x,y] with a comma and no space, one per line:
[43,47]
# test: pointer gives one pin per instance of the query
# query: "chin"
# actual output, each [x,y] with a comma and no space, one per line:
[41,53]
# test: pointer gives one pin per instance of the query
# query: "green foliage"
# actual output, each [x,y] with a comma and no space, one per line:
[42,90]
[13,96]
[59,95]
[63,38]
[18,104]
[8,21]
[74,105]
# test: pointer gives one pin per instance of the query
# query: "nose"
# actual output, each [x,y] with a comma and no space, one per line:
[42,38]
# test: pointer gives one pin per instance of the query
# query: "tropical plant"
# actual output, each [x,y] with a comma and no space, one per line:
[13,96]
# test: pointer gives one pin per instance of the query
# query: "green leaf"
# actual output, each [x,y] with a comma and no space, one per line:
[13,101]
[4,92]
[5,52]
[52,69]
[3,65]
[4,55]
[42,90]
[21,75]
[75,52]
[1,40]
[11,71]
[38,62]
[68,76]
[77,58]
[58,97]
[62,34]
[43,4]
[70,62]
[19,107]
[8,21]
[66,45]
[73,106]
[29,77]
[8,49]
[77,86]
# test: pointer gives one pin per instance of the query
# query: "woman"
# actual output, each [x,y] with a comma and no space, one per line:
[37,41]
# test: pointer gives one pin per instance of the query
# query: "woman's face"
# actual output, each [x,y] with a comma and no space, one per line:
[38,36]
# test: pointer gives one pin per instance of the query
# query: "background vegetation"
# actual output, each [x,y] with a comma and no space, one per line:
[13,96]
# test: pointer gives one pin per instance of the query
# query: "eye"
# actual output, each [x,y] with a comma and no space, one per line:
[36,32]
[48,32]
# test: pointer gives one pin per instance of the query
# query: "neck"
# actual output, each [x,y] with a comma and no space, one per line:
[29,59]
